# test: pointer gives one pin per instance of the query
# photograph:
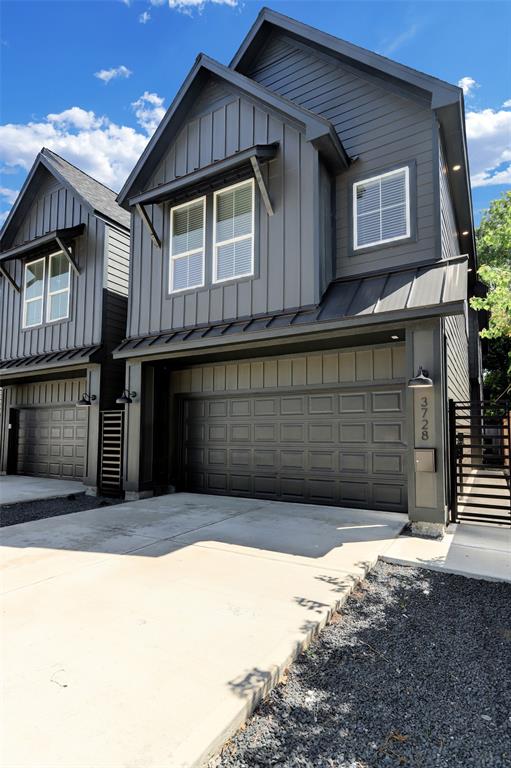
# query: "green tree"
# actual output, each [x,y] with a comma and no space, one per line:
[494,252]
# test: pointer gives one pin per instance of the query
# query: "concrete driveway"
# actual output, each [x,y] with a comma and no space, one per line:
[141,635]
[18,488]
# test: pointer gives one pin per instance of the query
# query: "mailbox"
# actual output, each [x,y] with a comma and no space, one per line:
[425,460]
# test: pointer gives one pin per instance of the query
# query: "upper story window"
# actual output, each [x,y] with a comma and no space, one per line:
[233,241]
[381,209]
[187,245]
[50,275]
[34,293]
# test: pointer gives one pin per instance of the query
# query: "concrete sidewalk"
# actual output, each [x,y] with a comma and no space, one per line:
[143,635]
[477,551]
[21,488]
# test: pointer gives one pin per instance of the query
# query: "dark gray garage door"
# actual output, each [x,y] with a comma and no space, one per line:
[327,447]
[52,442]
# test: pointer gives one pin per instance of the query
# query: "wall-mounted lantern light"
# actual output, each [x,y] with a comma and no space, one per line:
[86,399]
[126,397]
[421,381]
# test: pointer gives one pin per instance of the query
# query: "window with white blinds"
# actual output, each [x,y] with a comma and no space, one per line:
[187,244]
[381,209]
[234,232]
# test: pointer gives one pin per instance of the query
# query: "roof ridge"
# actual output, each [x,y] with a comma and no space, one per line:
[49,152]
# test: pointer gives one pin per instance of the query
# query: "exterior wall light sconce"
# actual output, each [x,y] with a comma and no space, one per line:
[421,381]
[126,398]
[86,399]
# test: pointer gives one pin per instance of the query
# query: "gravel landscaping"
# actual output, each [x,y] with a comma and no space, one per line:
[414,671]
[26,511]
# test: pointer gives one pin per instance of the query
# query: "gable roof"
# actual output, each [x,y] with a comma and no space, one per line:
[99,198]
[444,98]
[318,130]
[442,93]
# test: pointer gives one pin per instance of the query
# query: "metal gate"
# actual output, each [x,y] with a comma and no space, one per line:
[110,468]
[480,455]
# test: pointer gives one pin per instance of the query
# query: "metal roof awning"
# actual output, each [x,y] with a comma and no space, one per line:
[203,179]
[429,290]
[11,369]
[51,238]
[59,238]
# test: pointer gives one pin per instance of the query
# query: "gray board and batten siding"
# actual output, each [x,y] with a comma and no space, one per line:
[455,326]
[57,207]
[380,128]
[287,268]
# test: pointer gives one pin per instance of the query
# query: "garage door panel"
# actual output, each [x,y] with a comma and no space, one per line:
[388,432]
[387,402]
[52,442]
[333,447]
[353,462]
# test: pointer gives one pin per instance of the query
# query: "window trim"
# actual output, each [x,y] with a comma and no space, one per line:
[50,293]
[216,279]
[378,177]
[173,257]
[34,298]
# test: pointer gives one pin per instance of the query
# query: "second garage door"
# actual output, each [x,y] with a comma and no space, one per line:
[328,447]
[52,442]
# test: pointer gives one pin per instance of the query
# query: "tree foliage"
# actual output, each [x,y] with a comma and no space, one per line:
[494,251]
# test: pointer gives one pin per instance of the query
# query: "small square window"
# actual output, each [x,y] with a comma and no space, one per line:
[381,209]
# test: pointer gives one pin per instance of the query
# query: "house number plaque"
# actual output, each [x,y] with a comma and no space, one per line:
[424,419]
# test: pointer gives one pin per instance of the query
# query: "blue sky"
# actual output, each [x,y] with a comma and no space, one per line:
[91,79]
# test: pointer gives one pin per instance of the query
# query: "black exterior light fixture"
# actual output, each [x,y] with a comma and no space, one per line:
[421,381]
[126,397]
[86,399]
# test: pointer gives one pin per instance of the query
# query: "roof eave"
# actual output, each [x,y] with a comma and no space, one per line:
[315,126]
[442,93]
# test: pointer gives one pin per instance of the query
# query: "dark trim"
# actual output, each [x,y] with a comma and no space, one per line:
[442,92]
[351,324]
[190,182]
[30,247]
[403,268]
[72,358]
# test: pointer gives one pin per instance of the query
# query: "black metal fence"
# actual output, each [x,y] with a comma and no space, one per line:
[480,455]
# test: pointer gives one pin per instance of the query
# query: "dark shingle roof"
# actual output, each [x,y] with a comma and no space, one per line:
[101,198]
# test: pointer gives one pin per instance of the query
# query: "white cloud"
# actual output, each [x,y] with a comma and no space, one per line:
[111,74]
[149,111]
[187,6]
[467,85]
[9,195]
[144,17]
[507,104]
[404,37]
[488,134]
[94,143]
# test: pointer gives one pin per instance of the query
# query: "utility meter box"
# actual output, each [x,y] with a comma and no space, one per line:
[425,460]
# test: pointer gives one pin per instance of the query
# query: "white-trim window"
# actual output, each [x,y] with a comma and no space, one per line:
[187,245]
[381,209]
[233,238]
[59,282]
[33,293]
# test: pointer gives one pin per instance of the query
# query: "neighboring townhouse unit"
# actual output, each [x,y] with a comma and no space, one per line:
[64,257]
[302,244]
